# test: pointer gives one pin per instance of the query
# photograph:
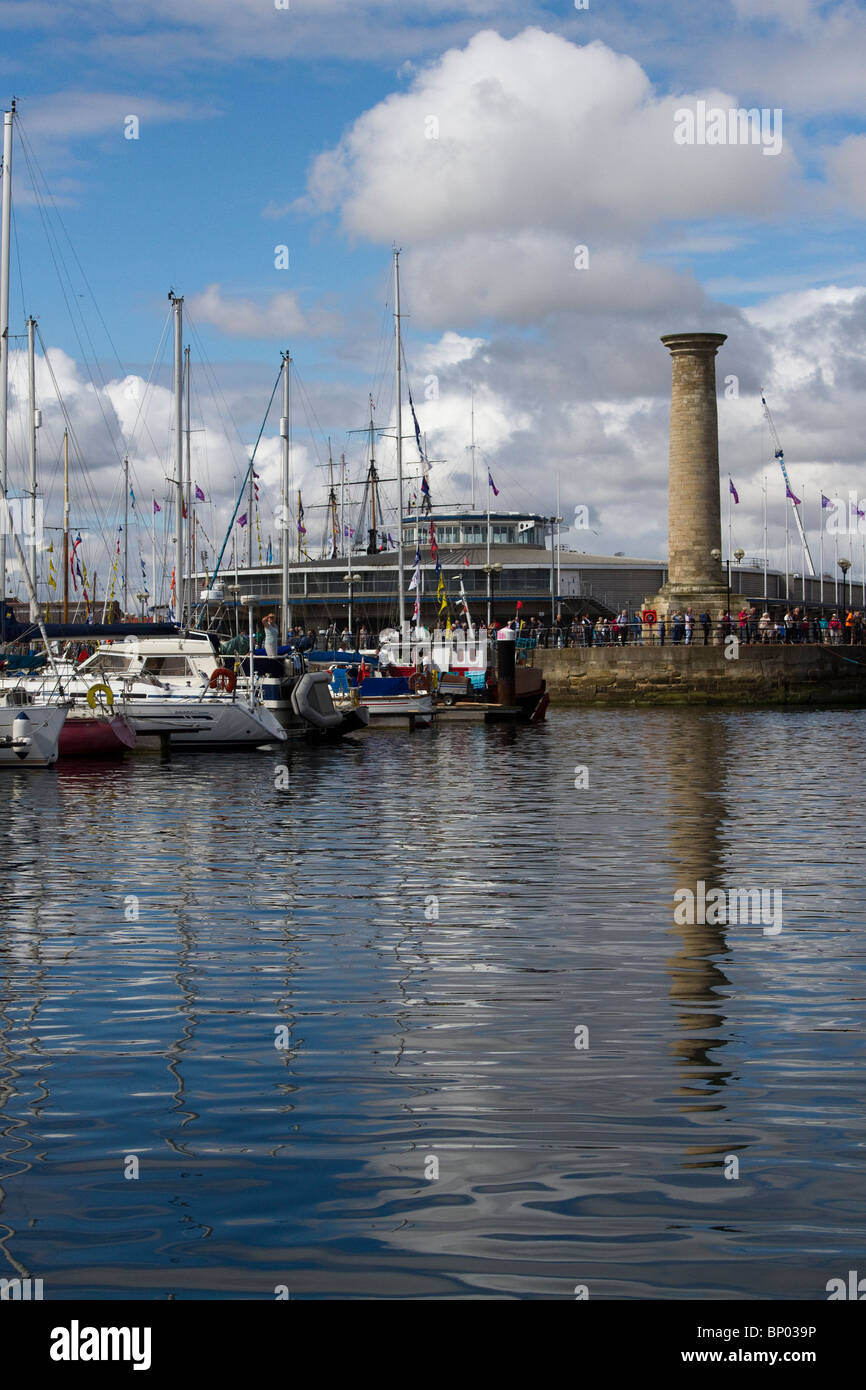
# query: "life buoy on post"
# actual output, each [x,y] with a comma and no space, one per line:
[223,679]
[100,690]
[649,616]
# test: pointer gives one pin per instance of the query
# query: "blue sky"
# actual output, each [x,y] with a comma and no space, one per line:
[304,127]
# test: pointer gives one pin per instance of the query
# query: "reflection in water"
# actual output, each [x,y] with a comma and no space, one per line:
[696,775]
[327,986]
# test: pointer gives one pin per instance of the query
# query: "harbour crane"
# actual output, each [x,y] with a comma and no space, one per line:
[789,491]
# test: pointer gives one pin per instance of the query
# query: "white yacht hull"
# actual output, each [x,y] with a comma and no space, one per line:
[38,747]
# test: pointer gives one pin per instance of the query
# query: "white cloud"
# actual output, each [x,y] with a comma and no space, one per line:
[278,317]
[540,146]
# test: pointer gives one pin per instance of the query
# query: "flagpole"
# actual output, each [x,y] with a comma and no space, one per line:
[836,565]
[730,524]
[803,554]
[821,542]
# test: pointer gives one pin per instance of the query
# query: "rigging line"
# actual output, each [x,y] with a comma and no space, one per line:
[205,362]
[59,217]
[83,468]
[18,263]
[157,359]
[63,291]
[246,478]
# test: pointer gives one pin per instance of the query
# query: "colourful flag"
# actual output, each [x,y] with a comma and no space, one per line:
[242,520]
[156,507]
[789,493]
[199,495]
[734,492]
[826,502]
[492,484]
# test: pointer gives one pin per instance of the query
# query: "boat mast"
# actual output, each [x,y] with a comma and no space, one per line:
[399,391]
[190,530]
[472,445]
[374,533]
[125,537]
[285,552]
[177,301]
[31,441]
[5,231]
[66,526]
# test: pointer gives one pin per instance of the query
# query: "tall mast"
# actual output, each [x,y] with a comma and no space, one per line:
[190,530]
[154,598]
[5,231]
[31,441]
[472,445]
[374,522]
[285,487]
[344,539]
[66,526]
[332,503]
[399,391]
[177,301]
[125,589]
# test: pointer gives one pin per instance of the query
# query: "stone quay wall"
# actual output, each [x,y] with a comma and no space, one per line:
[758,675]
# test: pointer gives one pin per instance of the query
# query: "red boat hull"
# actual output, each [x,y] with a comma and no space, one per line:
[95,738]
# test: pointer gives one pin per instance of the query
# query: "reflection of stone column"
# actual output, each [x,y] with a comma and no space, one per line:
[695,578]
[695,768]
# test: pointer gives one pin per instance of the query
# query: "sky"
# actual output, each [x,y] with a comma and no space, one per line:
[523,158]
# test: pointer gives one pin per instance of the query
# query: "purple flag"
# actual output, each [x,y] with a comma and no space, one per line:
[826,502]
[492,484]
[242,520]
[156,508]
[199,495]
[789,493]
[734,492]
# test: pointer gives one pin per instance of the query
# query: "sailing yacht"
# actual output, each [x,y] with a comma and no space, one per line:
[172,686]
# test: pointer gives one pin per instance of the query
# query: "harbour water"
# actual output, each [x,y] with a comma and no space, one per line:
[414,1018]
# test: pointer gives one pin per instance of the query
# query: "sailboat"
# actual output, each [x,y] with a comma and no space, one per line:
[29,734]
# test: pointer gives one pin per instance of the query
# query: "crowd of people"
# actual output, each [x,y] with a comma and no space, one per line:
[788,625]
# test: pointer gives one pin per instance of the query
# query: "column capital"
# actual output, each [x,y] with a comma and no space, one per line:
[693,343]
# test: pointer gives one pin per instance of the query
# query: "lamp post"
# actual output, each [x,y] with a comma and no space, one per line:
[490,570]
[717,555]
[845,566]
[141,601]
[351,580]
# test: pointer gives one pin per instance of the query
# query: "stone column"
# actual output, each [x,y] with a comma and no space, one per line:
[694,511]
[695,579]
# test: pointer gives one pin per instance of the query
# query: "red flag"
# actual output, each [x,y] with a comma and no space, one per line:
[520,603]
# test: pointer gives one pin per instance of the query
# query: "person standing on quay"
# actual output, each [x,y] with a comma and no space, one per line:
[706,623]
[661,627]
